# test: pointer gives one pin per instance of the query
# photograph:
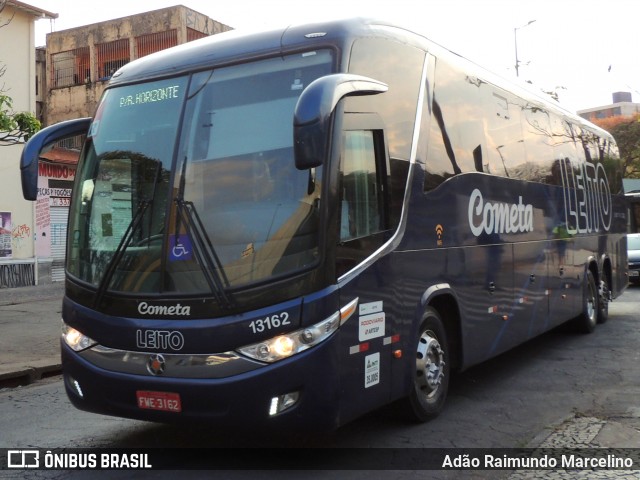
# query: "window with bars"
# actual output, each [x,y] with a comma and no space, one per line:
[70,68]
[72,143]
[154,42]
[111,56]
[195,34]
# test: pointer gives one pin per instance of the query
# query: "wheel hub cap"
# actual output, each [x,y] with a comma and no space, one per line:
[429,363]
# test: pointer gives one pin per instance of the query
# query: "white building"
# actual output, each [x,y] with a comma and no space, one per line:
[19,264]
[622,106]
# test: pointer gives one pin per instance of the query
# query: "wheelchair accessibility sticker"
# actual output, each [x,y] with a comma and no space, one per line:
[180,248]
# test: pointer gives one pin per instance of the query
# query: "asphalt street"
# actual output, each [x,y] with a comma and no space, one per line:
[29,351]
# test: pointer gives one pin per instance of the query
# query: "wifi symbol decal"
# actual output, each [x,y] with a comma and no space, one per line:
[439,232]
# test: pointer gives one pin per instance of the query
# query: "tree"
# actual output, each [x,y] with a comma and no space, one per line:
[15,127]
[626,131]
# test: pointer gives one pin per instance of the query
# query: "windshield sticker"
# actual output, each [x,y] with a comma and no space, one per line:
[150,96]
[180,248]
[95,126]
[248,251]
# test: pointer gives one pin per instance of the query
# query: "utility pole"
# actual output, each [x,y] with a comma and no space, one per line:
[515,40]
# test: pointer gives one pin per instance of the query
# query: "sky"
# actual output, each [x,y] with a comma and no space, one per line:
[582,49]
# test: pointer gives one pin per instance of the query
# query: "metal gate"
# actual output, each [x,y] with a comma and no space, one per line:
[59,218]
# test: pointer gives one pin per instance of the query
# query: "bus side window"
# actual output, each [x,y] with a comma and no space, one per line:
[361,199]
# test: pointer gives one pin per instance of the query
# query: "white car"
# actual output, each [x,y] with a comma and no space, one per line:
[633,249]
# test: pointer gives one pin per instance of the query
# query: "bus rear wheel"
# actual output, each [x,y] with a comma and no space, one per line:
[431,369]
[603,300]
[586,322]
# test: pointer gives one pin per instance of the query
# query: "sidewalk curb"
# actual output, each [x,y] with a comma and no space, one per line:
[29,344]
[20,295]
[587,431]
[28,375]
[8,303]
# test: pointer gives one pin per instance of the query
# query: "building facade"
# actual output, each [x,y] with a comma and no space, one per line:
[622,106]
[18,236]
[81,60]
[63,81]
[78,65]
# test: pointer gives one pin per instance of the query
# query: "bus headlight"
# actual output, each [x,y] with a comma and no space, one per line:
[75,339]
[283,346]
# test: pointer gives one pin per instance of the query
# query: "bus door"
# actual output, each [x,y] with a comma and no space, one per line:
[366,339]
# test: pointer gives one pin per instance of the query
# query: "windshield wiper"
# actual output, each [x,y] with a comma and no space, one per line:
[205,252]
[119,252]
[208,259]
[133,226]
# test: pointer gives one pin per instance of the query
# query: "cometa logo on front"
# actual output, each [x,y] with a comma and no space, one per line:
[175,310]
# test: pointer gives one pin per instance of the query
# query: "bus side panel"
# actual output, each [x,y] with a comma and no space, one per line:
[531,287]
[562,282]
[366,344]
[522,262]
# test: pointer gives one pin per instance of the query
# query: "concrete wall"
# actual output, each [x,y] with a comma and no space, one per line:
[18,56]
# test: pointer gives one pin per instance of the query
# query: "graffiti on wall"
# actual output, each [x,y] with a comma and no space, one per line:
[20,235]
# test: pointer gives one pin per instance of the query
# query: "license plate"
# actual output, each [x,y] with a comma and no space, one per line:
[634,273]
[164,401]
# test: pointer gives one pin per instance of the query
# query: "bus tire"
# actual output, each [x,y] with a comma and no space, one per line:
[586,321]
[431,371]
[603,300]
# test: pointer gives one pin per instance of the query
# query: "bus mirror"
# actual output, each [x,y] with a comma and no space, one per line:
[312,115]
[39,144]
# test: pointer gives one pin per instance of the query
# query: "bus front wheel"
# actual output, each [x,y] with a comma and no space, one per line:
[431,369]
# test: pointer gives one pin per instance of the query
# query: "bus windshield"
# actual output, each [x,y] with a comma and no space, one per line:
[188,185]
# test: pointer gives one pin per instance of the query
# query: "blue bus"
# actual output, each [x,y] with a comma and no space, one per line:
[295,227]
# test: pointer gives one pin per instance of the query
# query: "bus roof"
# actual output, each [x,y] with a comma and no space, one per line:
[234,46]
[237,46]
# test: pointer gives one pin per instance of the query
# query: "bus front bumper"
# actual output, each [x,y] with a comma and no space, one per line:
[298,393]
